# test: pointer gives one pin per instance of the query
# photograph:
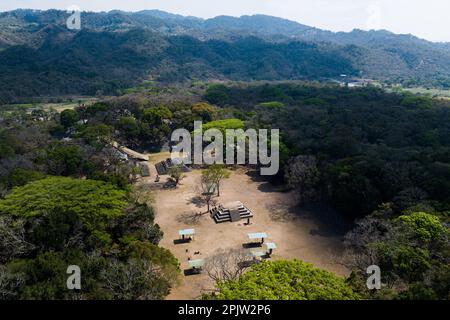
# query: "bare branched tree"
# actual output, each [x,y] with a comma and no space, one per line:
[303,175]
[207,190]
[227,264]
[135,280]
[12,238]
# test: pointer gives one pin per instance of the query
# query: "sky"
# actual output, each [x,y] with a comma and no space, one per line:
[427,19]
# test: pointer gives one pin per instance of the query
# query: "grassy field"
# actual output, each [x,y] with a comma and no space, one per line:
[59,107]
[437,93]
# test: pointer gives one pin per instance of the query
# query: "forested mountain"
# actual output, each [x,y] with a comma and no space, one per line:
[113,50]
[88,62]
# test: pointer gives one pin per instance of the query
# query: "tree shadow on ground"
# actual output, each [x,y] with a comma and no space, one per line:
[283,212]
[190,218]
[265,185]
[169,184]
[198,201]
[329,223]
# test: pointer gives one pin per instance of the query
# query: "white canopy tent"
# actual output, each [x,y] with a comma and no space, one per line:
[196,264]
[257,236]
[186,233]
[258,254]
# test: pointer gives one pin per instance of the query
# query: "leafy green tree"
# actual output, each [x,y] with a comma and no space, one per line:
[95,108]
[95,202]
[417,101]
[412,250]
[58,229]
[271,104]
[217,94]
[176,173]
[141,250]
[155,124]
[216,173]
[156,115]
[44,278]
[204,111]
[286,280]
[93,134]
[19,177]
[403,261]
[129,127]
[69,118]
[137,224]
[224,124]
[65,159]
[424,226]
[6,150]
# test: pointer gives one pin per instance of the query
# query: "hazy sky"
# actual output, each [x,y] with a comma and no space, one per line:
[429,19]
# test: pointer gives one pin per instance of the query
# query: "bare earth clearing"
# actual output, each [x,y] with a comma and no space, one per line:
[296,232]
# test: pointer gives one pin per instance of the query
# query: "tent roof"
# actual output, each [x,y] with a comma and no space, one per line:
[186,232]
[258,253]
[261,235]
[271,245]
[196,263]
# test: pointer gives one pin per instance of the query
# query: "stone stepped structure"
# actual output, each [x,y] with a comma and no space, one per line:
[231,212]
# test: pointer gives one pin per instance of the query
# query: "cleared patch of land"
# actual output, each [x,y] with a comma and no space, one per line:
[437,93]
[297,233]
[59,106]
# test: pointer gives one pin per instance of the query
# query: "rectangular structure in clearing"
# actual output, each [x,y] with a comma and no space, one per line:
[186,232]
[255,236]
[196,264]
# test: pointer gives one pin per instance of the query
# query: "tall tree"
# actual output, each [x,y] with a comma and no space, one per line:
[176,173]
[208,187]
[217,173]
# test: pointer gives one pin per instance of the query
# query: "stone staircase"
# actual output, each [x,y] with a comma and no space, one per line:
[230,213]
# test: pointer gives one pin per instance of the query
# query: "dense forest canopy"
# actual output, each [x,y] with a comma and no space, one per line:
[40,57]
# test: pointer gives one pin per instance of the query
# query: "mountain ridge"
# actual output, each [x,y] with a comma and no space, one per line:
[241,21]
[176,48]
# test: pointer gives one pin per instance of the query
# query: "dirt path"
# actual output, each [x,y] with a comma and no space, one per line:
[296,234]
